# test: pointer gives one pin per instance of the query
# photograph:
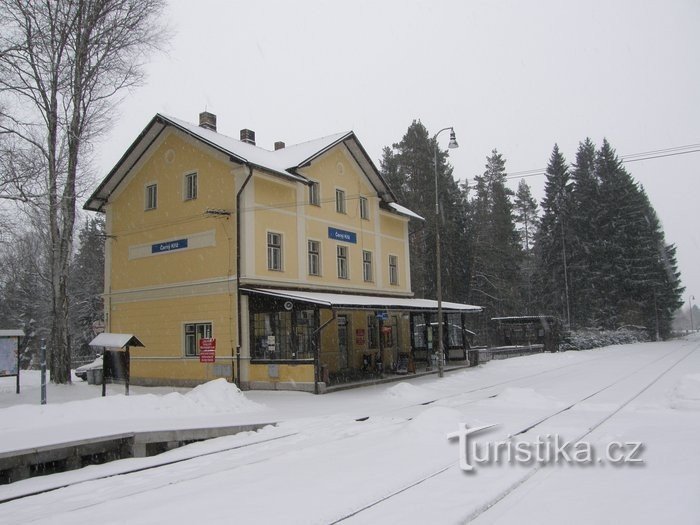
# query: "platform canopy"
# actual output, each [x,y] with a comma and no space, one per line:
[362,302]
[116,341]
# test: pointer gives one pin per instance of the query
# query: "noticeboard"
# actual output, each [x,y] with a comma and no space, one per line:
[9,356]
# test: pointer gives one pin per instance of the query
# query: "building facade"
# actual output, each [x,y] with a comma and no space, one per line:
[294,260]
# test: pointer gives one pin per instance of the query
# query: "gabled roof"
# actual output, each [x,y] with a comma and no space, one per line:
[284,162]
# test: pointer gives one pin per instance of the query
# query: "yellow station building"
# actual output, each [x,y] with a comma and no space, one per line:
[295,260]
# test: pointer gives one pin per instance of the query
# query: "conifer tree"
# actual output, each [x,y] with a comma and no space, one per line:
[496,246]
[527,221]
[553,238]
[408,167]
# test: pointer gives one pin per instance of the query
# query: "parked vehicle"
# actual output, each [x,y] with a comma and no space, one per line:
[82,371]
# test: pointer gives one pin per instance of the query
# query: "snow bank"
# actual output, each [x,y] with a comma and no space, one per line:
[686,395]
[408,392]
[221,396]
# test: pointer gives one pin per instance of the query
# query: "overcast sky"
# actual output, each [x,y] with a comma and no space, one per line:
[513,75]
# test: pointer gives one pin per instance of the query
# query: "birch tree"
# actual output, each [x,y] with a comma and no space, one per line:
[63,66]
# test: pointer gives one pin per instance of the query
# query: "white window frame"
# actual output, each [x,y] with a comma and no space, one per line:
[274,252]
[342,257]
[315,193]
[393,270]
[340,201]
[311,255]
[367,273]
[364,208]
[208,331]
[151,196]
[191,182]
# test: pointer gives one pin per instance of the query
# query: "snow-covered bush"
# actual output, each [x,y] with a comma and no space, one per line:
[591,338]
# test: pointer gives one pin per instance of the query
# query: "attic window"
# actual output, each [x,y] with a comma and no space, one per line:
[191,186]
[315,194]
[151,196]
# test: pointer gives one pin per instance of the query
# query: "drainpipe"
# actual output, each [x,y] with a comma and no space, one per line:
[317,350]
[237,376]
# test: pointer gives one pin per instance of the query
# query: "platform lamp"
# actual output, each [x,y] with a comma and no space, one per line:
[438,272]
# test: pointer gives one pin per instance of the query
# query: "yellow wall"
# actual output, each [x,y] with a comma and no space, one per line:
[153,296]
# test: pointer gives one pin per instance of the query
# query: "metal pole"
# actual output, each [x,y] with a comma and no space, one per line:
[690,301]
[438,270]
[566,276]
[43,371]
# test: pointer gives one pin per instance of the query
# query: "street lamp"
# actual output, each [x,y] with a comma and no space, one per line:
[691,298]
[440,350]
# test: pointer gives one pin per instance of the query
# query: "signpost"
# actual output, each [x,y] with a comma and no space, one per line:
[207,350]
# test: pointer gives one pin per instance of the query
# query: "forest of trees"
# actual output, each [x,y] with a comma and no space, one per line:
[592,253]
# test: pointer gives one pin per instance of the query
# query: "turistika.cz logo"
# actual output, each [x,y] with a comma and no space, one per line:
[545,450]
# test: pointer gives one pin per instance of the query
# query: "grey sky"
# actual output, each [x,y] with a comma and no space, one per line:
[513,75]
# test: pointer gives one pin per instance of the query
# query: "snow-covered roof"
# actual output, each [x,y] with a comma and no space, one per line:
[405,211]
[11,333]
[337,300]
[284,162]
[116,341]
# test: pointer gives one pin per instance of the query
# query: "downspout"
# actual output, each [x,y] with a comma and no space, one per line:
[317,350]
[237,376]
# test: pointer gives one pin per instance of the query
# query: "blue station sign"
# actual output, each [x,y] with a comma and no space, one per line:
[169,246]
[342,235]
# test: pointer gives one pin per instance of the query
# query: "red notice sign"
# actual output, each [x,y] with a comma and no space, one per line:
[207,350]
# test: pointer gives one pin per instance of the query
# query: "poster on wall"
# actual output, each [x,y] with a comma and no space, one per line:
[8,356]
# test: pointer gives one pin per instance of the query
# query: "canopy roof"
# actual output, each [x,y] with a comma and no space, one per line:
[11,333]
[116,341]
[362,302]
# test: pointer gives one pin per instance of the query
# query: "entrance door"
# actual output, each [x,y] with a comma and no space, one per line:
[343,332]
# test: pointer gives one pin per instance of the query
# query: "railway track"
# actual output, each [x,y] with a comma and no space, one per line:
[405,413]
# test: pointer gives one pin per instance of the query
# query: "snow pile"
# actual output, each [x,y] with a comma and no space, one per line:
[523,398]
[591,338]
[221,396]
[686,395]
[408,392]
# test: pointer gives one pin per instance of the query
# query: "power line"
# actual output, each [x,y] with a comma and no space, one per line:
[632,157]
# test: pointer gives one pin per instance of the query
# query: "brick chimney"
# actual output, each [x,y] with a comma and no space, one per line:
[279,145]
[207,120]
[248,135]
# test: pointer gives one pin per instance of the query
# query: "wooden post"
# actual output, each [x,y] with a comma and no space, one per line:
[128,370]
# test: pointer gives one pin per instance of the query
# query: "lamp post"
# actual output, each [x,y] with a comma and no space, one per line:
[438,273]
[691,298]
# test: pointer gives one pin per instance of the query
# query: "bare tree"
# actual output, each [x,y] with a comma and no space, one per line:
[63,65]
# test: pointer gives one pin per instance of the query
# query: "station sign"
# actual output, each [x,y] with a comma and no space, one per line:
[169,246]
[342,235]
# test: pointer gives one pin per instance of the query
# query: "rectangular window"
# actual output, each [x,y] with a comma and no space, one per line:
[367,265]
[393,269]
[419,331]
[364,208]
[314,248]
[372,332]
[283,336]
[315,194]
[193,333]
[274,251]
[455,335]
[190,186]
[151,196]
[342,262]
[340,201]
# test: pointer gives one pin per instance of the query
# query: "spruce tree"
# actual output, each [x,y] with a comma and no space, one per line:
[553,238]
[527,221]
[497,251]
[408,167]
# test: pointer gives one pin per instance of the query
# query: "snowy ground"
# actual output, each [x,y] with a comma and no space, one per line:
[381,454]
